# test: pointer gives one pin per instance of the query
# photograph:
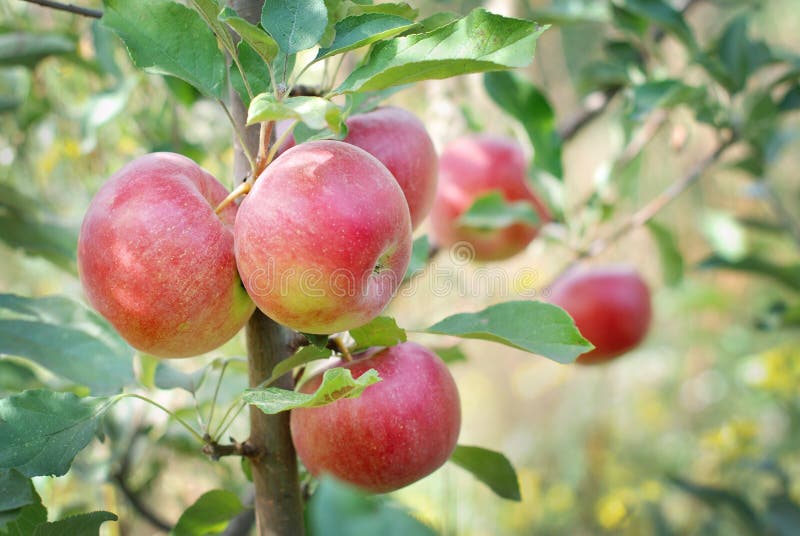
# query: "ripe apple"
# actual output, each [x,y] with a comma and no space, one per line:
[157,262]
[323,239]
[399,140]
[610,306]
[471,167]
[398,431]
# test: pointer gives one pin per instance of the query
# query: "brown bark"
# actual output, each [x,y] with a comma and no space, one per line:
[278,504]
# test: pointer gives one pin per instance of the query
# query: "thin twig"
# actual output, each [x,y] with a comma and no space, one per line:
[239,137]
[70,8]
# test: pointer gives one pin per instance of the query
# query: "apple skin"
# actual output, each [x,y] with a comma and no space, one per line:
[399,140]
[611,307]
[157,262]
[473,166]
[323,239]
[398,431]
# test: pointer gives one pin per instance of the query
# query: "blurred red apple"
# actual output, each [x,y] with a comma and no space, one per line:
[610,306]
[157,262]
[398,431]
[469,168]
[323,240]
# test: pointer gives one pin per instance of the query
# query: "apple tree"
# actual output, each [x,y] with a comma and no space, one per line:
[307,233]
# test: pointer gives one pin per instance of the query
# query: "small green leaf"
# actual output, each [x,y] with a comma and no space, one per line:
[16,490]
[381,331]
[259,40]
[532,326]
[82,524]
[479,42]
[255,71]
[450,354]
[41,431]
[399,9]
[492,211]
[727,237]
[168,377]
[671,258]
[337,509]
[305,355]
[665,94]
[337,383]
[788,275]
[734,57]
[66,338]
[28,49]
[295,24]
[156,33]
[362,30]
[491,468]
[660,13]
[315,112]
[420,253]
[209,514]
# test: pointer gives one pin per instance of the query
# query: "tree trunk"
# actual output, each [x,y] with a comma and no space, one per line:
[278,506]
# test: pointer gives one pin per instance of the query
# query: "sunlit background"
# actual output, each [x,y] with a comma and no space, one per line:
[711,397]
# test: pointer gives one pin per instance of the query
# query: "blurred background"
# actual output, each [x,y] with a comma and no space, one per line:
[695,432]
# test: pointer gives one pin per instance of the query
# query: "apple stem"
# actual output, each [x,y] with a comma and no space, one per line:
[337,345]
[237,192]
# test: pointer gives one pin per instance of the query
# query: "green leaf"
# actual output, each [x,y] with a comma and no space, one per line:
[305,355]
[783,515]
[788,275]
[737,56]
[83,525]
[362,30]
[492,211]
[420,253]
[434,22]
[524,102]
[718,497]
[27,224]
[532,326]
[210,514]
[295,24]
[16,490]
[336,509]
[320,341]
[660,13]
[16,377]
[666,94]
[66,338]
[399,9]
[726,235]
[23,521]
[450,354]
[259,40]
[791,99]
[28,49]
[156,34]
[491,468]
[671,258]
[381,331]
[255,71]
[167,377]
[41,431]
[337,383]
[479,42]
[315,112]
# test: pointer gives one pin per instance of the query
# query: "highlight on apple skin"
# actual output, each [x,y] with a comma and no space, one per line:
[473,166]
[323,239]
[611,307]
[400,141]
[398,431]
[158,263]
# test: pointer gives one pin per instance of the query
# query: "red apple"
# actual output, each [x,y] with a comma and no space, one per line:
[610,306]
[157,262]
[471,167]
[323,240]
[399,140]
[398,431]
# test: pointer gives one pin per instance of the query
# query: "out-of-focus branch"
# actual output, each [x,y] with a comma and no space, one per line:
[70,8]
[598,102]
